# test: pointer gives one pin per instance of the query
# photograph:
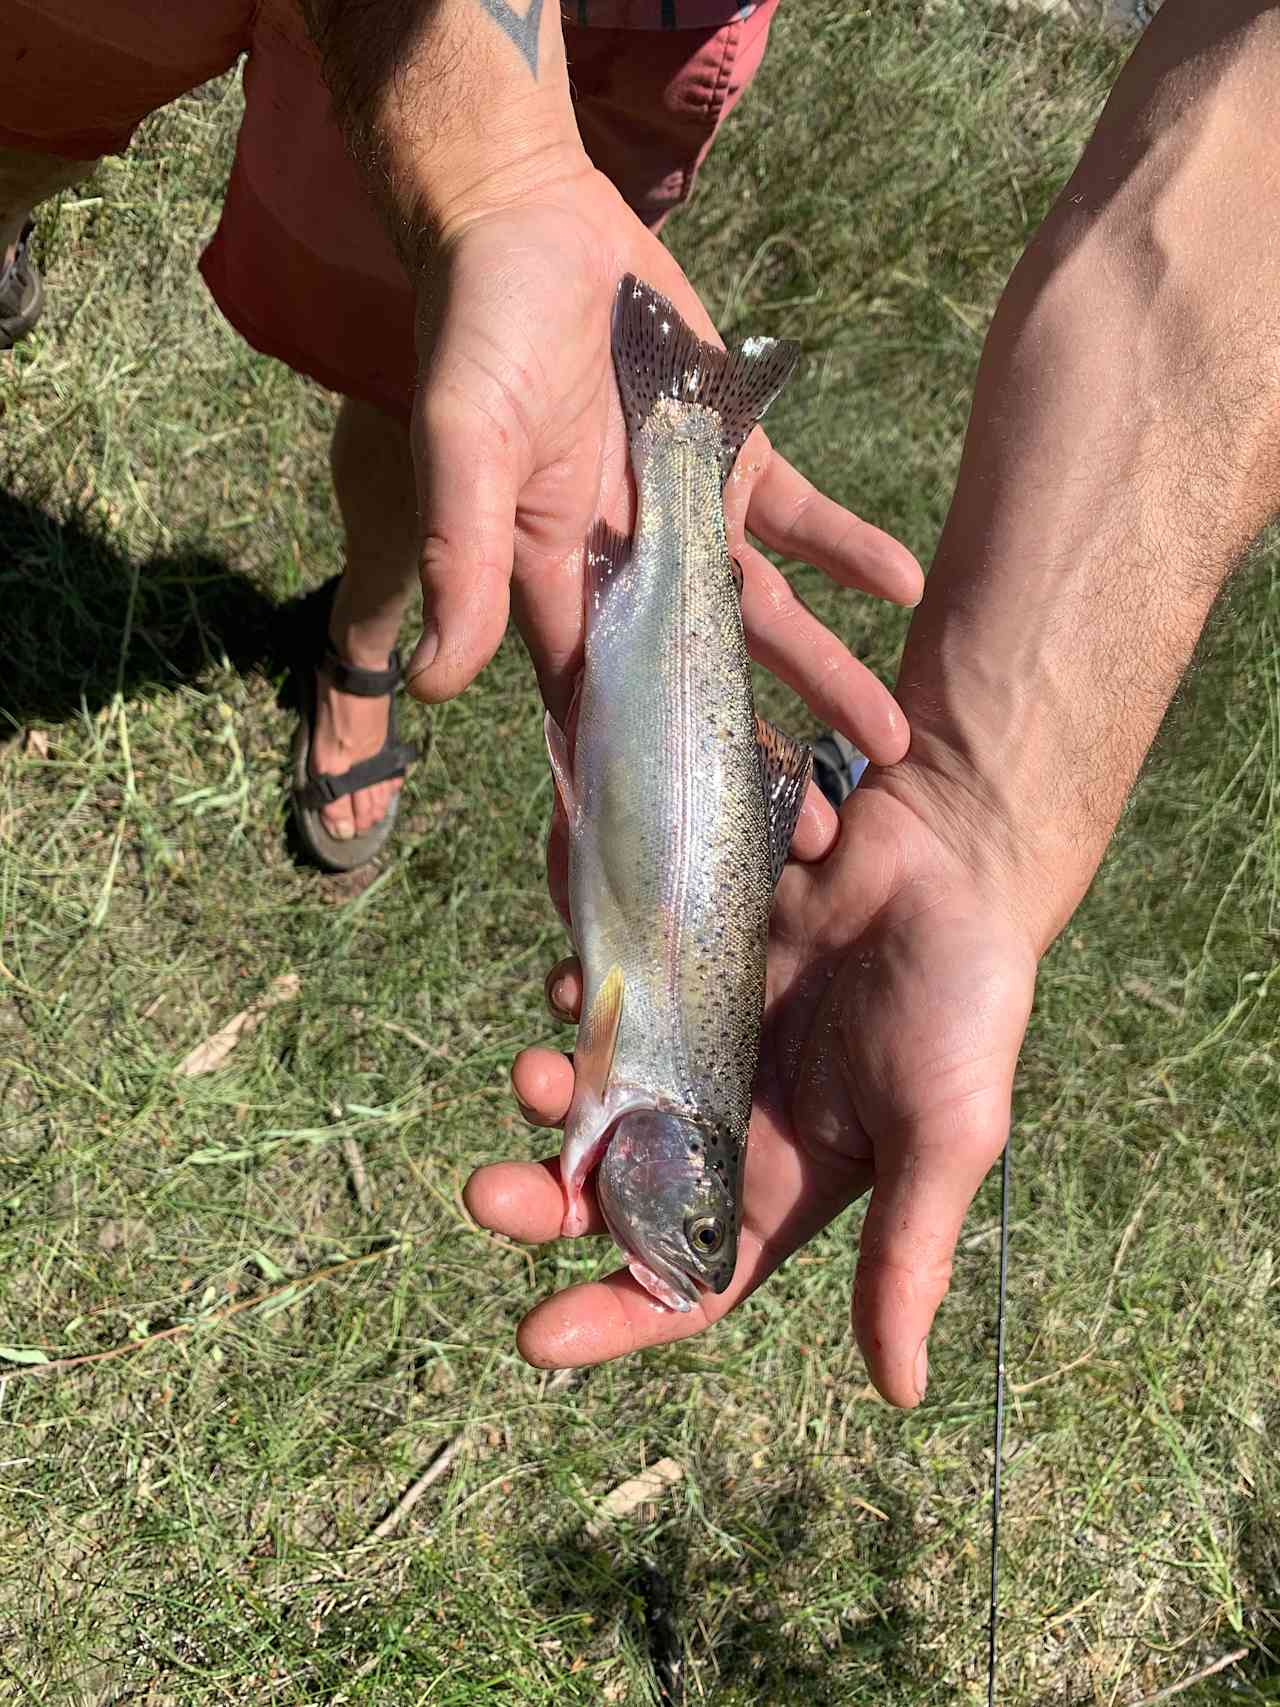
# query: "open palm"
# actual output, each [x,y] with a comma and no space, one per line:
[519,446]
[898,995]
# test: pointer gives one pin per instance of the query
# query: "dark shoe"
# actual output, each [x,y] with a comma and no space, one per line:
[837,767]
[21,293]
[312,793]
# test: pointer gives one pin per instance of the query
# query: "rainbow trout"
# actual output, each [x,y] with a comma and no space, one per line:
[681,805]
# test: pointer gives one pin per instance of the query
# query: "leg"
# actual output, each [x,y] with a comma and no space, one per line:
[373,479]
[25,181]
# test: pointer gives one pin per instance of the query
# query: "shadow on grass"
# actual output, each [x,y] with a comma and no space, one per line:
[673,1608]
[80,621]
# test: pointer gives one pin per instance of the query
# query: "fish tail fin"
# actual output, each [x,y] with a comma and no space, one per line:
[656,355]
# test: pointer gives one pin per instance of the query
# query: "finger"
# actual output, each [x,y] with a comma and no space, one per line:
[923,1190]
[817,827]
[525,1201]
[788,1199]
[786,637]
[563,989]
[468,480]
[542,1080]
[548,610]
[788,513]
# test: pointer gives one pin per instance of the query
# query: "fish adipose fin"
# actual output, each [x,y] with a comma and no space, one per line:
[598,1034]
[786,766]
[656,355]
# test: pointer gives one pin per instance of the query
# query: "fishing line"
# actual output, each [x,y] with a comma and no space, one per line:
[999,1431]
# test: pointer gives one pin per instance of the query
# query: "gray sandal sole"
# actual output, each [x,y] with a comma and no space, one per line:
[311,793]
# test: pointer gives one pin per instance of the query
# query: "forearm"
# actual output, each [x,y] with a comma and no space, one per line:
[451,107]
[1123,450]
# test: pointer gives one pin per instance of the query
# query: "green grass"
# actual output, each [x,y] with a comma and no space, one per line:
[193,1522]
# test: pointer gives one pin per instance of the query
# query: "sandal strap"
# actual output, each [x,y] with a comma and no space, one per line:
[393,760]
[363,684]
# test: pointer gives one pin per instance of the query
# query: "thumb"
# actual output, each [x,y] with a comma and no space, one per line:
[935,1016]
[924,1184]
[468,485]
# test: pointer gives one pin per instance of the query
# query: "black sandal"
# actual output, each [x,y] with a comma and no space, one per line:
[311,793]
[21,292]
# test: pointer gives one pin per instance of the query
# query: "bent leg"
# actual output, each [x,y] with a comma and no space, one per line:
[26,180]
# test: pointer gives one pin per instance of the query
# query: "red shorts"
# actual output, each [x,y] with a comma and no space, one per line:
[300,264]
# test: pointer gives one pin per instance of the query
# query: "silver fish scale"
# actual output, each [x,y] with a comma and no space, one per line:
[669,873]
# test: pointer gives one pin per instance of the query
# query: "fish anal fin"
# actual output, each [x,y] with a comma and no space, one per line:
[785,767]
[606,555]
[561,768]
[656,355]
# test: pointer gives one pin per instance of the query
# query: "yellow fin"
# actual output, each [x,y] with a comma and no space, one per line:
[598,1034]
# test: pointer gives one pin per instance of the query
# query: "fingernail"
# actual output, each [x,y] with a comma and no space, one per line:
[424,652]
[922,1368]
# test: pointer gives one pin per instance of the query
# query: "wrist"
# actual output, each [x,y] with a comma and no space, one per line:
[454,108]
[439,199]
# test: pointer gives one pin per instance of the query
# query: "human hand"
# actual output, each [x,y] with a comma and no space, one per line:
[519,446]
[899,986]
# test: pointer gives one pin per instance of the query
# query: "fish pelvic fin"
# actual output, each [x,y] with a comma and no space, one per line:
[561,768]
[656,355]
[598,1034]
[785,766]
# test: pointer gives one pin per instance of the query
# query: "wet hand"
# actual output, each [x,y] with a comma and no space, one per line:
[519,446]
[899,990]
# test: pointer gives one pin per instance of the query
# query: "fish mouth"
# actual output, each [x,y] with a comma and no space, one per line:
[664,1282]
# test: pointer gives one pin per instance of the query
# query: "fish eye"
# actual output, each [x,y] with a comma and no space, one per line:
[706,1234]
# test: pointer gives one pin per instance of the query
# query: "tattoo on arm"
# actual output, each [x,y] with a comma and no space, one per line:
[522,31]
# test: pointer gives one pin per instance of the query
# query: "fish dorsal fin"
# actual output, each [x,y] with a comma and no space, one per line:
[785,766]
[598,1034]
[656,355]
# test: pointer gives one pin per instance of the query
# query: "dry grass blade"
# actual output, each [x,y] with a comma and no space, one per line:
[1230,1659]
[1019,1388]
[634,1492]
[359,1178]
[208,1056]
[439,1465]
[414,1492]
[58,1365]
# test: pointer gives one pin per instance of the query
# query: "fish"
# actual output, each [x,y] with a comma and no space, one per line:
[680,804]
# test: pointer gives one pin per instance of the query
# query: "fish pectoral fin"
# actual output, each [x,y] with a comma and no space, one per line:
[785,766]
[598,1034]
[561,769]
